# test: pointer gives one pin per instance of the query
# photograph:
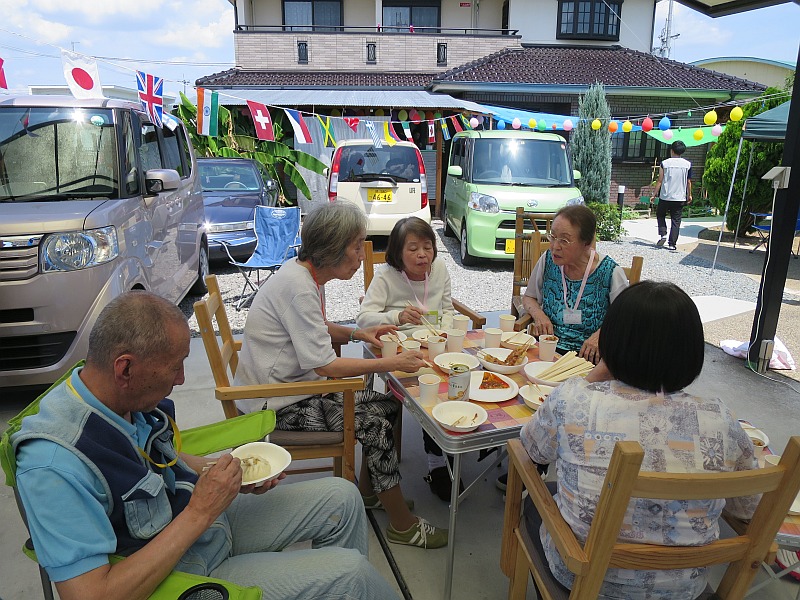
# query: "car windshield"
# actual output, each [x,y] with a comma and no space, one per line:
[516,161]
[217,177]
[54,154]
[365,162]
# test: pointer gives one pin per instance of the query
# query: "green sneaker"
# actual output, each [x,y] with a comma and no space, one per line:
[422,535]
[374,503]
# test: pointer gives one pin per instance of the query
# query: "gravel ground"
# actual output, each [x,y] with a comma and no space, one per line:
[487,287]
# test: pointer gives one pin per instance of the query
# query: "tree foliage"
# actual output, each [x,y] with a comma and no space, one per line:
[591,150]
[237,139]
[722,157]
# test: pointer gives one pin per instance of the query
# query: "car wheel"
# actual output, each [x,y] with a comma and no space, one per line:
[448,231]
[466,258]
[199,288]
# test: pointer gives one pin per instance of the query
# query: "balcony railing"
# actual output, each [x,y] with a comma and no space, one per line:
[472,31]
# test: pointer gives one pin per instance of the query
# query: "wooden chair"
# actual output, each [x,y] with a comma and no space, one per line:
[589,561]
[372,258]
[223,356]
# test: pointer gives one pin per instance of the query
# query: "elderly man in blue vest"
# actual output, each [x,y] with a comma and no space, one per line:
[674,191]
[98,475]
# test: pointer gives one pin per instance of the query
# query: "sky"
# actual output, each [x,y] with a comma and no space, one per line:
[193,38]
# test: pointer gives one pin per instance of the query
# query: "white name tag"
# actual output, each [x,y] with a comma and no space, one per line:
[378,385]
[572,316]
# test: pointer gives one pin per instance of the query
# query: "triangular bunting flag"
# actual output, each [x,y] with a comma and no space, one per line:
[262,121]
[445,129]
[456,124]
[465,122]
[3,83]
[388,136]
[431,133]
[352,123]
[207,112]
[325,124]
[81,75]
[301,132]
[376,140]
[407,131]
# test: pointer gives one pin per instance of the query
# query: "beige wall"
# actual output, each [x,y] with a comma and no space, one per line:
[760,72]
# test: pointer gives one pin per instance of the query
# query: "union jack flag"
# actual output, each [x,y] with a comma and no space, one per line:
[151,95]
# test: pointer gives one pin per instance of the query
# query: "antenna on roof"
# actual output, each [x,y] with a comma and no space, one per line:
[666,36]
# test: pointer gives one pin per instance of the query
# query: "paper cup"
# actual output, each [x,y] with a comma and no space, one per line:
[507,322]
[547,347]
[772,460]
[410,345]
[455,340]
[461,322]
[429,387]
[389,346]
[492,337]
[436,346]
[446,321]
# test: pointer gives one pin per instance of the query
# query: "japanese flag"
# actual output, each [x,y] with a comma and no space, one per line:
[81,74]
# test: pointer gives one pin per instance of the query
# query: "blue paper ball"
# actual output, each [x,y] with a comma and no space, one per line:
[664,123]
[501,124]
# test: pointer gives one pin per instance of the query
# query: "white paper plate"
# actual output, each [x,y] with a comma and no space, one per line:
[532,369]
[533,397]
[443,361]
[520,339]
[446,413]
[502,354]
[277,457]
[422,335]
[479,395]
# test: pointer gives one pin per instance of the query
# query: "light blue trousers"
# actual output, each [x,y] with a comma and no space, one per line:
[327,511]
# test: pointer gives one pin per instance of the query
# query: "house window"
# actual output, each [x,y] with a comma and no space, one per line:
[312,15]
[302,53]
[441,54]
[398,15]
[635,146]
[589,19]
[372,53]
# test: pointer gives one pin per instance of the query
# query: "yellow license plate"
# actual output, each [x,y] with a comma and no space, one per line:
[379,195]
[510,246]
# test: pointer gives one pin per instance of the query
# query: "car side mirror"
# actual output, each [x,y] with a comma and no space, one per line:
[576,174]
[455,171]
[161,180]
[325,171]
[270,185]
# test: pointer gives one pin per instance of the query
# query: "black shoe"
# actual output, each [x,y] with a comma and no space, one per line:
[441,485]
[502,482]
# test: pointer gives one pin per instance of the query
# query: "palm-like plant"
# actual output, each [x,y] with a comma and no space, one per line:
[237,140]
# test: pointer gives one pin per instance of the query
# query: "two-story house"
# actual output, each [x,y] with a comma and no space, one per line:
[374,58]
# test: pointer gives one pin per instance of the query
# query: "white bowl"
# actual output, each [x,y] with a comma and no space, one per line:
[422,335]
[446,413]
[756,435]
[520,339]
[277,457]
[535,397]
[502,354]
[532,370]
[444,360]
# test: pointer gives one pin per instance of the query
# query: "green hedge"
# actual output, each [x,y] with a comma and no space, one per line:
[608,223]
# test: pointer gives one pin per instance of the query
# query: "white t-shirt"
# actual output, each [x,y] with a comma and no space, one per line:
[285,336]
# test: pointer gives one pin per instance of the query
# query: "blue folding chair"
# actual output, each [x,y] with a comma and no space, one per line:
[765,227]
[278,238]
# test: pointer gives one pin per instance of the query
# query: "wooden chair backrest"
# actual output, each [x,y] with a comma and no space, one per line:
[371,258]
[223,354]
[745,552]
[528,245]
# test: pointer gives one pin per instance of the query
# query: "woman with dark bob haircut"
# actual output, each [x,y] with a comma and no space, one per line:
[652,346]
[287,337]
[413,286]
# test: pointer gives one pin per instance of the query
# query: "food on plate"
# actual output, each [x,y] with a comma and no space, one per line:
[255,467]
[757,442]
[492,382]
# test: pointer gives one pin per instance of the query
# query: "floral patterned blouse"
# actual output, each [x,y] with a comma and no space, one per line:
[577,427]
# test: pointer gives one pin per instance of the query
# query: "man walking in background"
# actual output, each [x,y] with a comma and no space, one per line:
[674,191]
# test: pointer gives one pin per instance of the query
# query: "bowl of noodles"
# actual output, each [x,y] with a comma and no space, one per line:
[503,360]
[261,461]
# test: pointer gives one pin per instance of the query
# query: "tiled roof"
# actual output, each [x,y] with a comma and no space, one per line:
[308,79]
[612,66]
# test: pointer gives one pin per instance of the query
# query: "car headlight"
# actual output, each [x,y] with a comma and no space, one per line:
[76,250]
[228,227]
[578,200]
[483,203]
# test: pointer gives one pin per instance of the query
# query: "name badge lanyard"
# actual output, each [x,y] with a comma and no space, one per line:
[583,284]
[424,304]
[319,292]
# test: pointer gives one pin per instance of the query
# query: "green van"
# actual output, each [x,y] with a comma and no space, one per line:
[490,174]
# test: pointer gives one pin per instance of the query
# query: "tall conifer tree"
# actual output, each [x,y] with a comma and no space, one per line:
[591,150]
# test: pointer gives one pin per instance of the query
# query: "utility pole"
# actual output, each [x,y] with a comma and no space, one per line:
[666,36]
[73,45]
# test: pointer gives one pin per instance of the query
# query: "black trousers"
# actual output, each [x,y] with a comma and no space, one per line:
[674,209]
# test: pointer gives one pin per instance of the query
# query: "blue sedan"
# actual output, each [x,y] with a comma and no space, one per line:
[232,188]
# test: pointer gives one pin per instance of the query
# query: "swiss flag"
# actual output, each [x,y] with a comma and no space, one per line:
[81,74]
[262,121]
[3,83]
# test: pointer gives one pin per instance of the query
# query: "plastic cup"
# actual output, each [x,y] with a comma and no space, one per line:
[507,322]
[428,387]
[389,345]
[455,340]
[547,347]
[436,346]
[492,337]
[410,345]
[461,322]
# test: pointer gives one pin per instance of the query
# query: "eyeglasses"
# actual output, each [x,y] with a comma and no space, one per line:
[561,241]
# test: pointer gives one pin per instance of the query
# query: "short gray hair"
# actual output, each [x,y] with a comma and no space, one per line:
[133,323]
[328,231]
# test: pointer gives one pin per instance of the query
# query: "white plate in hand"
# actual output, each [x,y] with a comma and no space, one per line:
[534,396]
[277,457]
[471,415]
[501,354]
[499,395]
[445,360]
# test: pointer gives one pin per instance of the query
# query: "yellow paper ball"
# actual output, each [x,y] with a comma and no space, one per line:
[710,117]
[737,113]
[627,126]
[532,123]
[698,134]
[596,124]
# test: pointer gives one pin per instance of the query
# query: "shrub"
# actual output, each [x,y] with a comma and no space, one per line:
[608,223]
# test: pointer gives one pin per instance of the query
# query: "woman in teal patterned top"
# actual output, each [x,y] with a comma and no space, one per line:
[572,285]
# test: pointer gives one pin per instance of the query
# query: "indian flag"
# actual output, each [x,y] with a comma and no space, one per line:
[207,112]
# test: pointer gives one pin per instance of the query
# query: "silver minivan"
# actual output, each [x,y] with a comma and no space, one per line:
[95,200]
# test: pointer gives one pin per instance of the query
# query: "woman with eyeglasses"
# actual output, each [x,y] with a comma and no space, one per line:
[572,284]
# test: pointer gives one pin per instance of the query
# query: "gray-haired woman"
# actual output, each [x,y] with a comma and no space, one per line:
[288,338]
